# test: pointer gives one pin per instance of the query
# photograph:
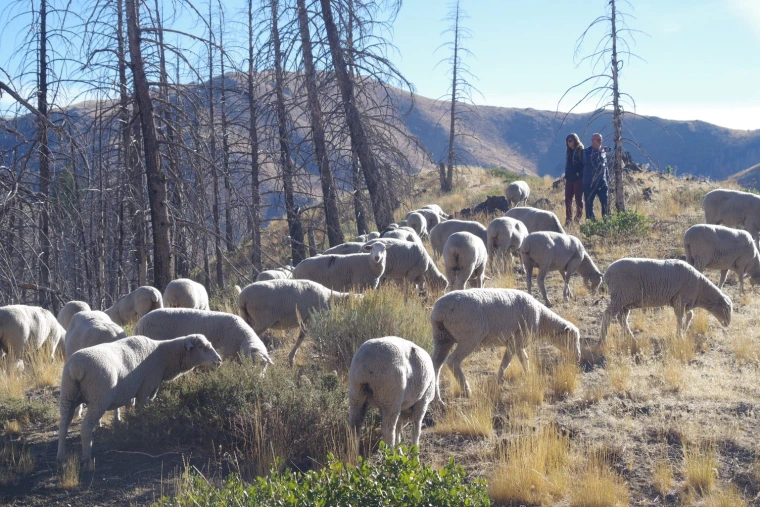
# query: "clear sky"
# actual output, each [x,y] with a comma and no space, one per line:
[702,57]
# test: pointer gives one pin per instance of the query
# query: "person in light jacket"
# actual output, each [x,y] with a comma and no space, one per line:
[595,176]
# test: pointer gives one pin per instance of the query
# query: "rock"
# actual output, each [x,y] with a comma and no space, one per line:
[491,206]
[544,204]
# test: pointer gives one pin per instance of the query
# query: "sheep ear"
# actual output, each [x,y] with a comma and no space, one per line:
[367,248]
[189,344]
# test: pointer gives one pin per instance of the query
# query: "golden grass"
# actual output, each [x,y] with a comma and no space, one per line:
[12,428]
[40,370]
[662,477]
[728,497]
[681,349]
[16,461]
[672,374]
[746,349]
[564,379]
[601,486]
[619,373]
[700,467]
[530,388]
[700,324]
[68,477]
[471,416]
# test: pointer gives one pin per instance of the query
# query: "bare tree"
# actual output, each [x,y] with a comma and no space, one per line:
[254,140]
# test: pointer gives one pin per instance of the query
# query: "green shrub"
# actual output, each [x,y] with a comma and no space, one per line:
[32,411]
[623,225]
[397,479]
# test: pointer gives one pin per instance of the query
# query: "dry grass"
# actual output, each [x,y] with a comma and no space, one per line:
[39,371]
[662,477]
[16,461]
[564,378]
[471,416]
[700,324]
[728,497]
[12,428]
[619,373]
[746,349]
[68,477]
[601,486]
[681,349]
[672,374]
[530,388]
[700,467]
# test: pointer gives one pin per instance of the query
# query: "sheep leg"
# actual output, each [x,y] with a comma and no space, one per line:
[478,277]
[418,413]
[571,268]
[541,278]
[528,266]
[741,281]
[455,363]
[689,317]
[299,341]
[390,417]
[524,361]
[623,318]
[678,309]
[723,276]
[441,349]
[508,353]
[88,425]
[609,313]
[67,414]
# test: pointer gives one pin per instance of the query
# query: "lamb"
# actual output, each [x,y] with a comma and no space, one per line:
[27,327]
[551,251]
[505,235]
[517,192]
[344,249]
[722,248]
[366,237]
[282,273]
[733,208]
[431,217]
[229,334]
[437,210]
[417,222]
[185,293]
[650,283]
[69,310]
[396,376]
[536,220]
[90,328]
[442,231]
[345,272]
[491,317]
[409,262]
[133,306]
[108,376]
[285,304]
[465,257]
[404,233]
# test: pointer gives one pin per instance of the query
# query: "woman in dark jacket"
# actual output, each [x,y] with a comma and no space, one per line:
[573,177]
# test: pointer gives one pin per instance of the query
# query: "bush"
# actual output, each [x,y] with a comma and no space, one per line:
[623,225]
[397,479]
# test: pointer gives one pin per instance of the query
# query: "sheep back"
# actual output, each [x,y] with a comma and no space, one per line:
[465,257]
[536,219]
[69,310]
[505,234]
[442,231]
[24,326]
[343,272]
[186,293]
[89,328]
[516,192]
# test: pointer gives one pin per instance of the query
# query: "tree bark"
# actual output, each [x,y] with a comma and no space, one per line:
[214,170]
[159,213]
[452,121]
[617,159]
[225,150]
[44,166]
[254,135]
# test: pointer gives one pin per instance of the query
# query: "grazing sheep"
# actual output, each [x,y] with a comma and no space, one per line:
[133,306]
[536,220]
[505,235]
[442,231]
[229,333]
[285,304]
[409,262]
[366,237]
[733,208]
[517,192]
[477,318]
[344,249]
[465,257]
[650,283]
[69,310]
[431,217]
[345,272]
[90,328]
[237,289]
[23,327]
[722,248]
[185,293]
[403,233]
[396,376]
[282,273]
[551,251]
[417,222]
[437,210]
[110,375]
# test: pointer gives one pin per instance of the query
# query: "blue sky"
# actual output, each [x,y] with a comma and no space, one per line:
[702,56]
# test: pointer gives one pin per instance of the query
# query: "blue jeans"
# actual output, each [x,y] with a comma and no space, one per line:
[599,190]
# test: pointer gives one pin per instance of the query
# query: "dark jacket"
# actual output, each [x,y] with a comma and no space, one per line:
[594,167]
[574,164]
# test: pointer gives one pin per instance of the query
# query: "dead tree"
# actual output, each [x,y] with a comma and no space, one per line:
[254,140]
[44,163]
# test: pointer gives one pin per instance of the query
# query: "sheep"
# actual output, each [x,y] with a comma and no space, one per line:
[431,217]
[133,306]
[505,235]
[409,262]
[465,257]
[536,220]
[476,318]
[23,327]
[437,210]
[366,237]
[185,293]
[442,231]
[517,192]
[110,375]
[417,222]
[344,249]
[396,376]
[733,208]
[551,251]
[722,248]
[650,283]
[404,233]
[229,334]
[282,273]
[285,304]
[90,328]
[69,310]
[344,272]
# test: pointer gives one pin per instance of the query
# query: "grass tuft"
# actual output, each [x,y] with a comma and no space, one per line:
[700,463]
[728,497]
[68,477]
[662,477]
[601,486]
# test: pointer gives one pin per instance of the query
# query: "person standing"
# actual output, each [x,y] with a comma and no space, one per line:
[573,177]
[595,176]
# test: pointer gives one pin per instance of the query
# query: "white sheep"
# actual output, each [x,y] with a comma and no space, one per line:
[733,208]
[552,251]
[465,257]
[724,249]
[282,273]
[517,192]
[417,222]
[69,310]
[285,304]
[432,218]
[536,220]
[403,233]
[110,375]
[343,249]
[477,318]
[409,263]
[345,272]
[505,235]
[396,376]
[649,283]
[366,237]
[229,333]
[436,209]
[27,327]
[185,293]
[442,231]
[133,306]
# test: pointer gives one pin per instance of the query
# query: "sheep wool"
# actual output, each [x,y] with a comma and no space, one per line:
[409,262]
[345,272]
[185,293]
[133,306]
[417,222]
[432,218]
[344,249]
[733,208]
[536,220]
[27,327]
[505,235]
[442,231]
[90,328]
[465,257]
[517,192]
[69,310]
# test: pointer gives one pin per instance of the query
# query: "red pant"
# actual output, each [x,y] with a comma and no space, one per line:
[573,188]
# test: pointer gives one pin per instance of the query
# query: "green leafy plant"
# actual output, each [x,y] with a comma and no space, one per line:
[623,225]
